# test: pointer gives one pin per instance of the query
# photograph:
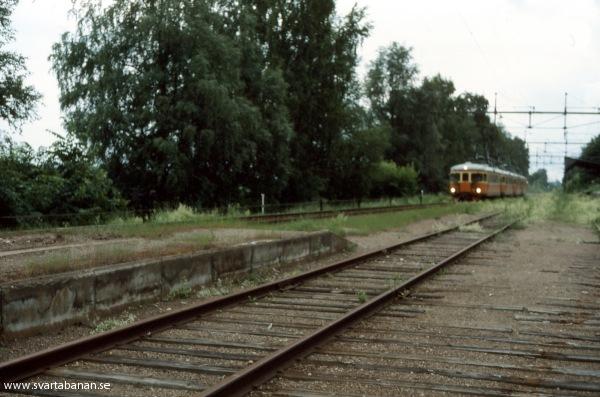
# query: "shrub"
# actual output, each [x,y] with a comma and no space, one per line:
[391,180]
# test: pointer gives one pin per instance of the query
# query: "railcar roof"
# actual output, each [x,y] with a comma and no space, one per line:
[468,166]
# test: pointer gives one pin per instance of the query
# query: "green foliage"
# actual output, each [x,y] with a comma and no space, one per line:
[431,127]
[174,103]
[316,52]
[556,205]
[112,323]
[184,291]
[538,181]
[365,224]
[472,227]
[60,180]
[391,180]
[358,157]
[195,101]
[362,296]
[209,103]
[585,180]
[17,100]
[591,151]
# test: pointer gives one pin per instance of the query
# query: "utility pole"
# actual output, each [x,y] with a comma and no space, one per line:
[495,108]
[531,110]
[565,124]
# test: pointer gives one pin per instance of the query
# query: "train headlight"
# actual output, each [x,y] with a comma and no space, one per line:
[452,190]
[478,190]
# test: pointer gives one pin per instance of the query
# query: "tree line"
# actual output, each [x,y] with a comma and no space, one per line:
[587,180]
[213,102]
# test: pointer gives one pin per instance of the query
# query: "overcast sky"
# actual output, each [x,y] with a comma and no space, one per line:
[529,52]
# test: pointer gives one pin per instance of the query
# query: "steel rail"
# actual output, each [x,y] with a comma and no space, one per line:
[33,364]
[247,379]
[268,218]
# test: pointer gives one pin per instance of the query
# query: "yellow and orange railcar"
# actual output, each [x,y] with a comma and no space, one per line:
[475,181]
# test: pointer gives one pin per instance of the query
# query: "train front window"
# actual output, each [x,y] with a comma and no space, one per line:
[465,177]
[476,177]
[454,178]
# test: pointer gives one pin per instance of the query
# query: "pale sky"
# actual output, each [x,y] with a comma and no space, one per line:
[530,52]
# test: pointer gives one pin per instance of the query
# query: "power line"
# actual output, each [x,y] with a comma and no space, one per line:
[533,112]
[555,143]
[546,121]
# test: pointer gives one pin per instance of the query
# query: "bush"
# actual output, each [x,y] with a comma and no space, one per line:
[391,180]
[58,185]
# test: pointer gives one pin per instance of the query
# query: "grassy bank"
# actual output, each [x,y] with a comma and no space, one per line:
[130,250]
[167,222]
[365,224]
[556,206]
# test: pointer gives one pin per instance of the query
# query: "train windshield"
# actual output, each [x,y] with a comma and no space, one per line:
[477,177]
[454,178]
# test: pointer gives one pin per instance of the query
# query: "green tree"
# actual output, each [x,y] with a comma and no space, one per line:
[54,186]
[17,99]
[538,181]
[317,53]
[389,82]
[174,104]
[579,179]
[390,180]
[359,154]
[431,127]
[591,151]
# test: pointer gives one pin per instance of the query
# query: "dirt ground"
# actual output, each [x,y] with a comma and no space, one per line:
[10,348]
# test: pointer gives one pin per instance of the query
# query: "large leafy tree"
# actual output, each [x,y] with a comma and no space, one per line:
[17,99]
[176,104]
[317,53]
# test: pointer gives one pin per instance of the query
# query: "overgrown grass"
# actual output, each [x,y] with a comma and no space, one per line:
[472,227]
[383,202]
[162,224]
[369,223]
[554,206]
[98,255]
[112,323]
[166,222]
[182,292]
[557,206]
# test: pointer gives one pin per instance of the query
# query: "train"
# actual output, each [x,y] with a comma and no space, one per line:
[472,181]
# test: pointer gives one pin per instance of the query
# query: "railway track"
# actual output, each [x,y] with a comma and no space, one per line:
[473,329]
[286,217]
[227,345]
[268,218]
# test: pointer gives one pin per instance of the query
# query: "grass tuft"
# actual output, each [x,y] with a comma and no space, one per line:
[112,323]
[362,296]
[182,292]
[471,227]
